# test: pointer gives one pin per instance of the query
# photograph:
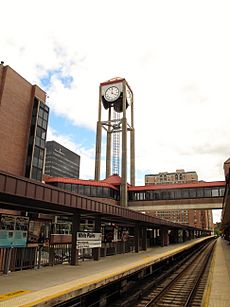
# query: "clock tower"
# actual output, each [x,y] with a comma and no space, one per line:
[116,105]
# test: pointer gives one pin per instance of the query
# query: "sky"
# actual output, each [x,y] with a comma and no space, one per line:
[175,55]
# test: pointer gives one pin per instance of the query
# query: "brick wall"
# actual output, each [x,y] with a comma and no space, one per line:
[16,102]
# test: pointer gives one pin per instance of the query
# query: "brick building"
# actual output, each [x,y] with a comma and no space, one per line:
[180,176]
[23,125]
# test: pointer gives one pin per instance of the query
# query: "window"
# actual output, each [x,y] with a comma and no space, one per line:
[192,193]
[68,186]
[200,192]
[74,188]
[81,189]
[87,190]
[156,195]
[93,191]
[61,185]
[215,192]
[171,194]
[207,192]
[222,191]
[165,195]
[185,193]
[36,173]
[99,191]
[177,193]
[105,192]
[142,196]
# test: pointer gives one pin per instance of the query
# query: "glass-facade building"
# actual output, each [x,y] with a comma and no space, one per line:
[60,161]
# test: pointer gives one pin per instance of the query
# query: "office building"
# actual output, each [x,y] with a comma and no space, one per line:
[23,125]
[180,176]
[60,161]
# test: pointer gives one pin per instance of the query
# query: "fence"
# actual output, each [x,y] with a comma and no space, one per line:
[21,258]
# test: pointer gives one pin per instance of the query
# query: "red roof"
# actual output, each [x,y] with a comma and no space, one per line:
[79,181]
[178,186]
[114,180]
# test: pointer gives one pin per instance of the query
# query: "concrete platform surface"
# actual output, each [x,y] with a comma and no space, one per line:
[218,288]
[37,287]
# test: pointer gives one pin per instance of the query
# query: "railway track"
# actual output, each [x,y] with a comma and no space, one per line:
[185,286]
[179,281]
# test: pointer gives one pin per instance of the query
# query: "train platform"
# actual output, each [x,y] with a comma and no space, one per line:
[218,286]
[51,285]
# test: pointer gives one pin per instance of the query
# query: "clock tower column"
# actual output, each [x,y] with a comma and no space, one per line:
[116,95]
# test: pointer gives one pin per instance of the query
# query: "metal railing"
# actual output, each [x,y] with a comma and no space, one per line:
[21,258]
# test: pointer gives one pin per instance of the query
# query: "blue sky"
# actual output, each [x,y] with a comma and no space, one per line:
[174,55]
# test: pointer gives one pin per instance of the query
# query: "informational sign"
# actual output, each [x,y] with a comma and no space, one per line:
[13,230]
[88,239]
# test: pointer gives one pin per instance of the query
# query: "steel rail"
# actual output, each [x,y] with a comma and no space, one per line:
[179,290]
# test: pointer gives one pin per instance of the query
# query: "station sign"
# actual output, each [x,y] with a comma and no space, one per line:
[88,239]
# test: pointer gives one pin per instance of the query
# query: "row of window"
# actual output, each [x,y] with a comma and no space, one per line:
[88,190]
[57,171]
[40,138]
[61,165]
[177,194]
[142,195]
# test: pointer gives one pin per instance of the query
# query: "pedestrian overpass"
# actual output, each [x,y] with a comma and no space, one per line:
[197,196]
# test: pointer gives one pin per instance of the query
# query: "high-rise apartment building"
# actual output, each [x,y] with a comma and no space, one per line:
[180,176]
[197,218]
[60,161]
[23,125]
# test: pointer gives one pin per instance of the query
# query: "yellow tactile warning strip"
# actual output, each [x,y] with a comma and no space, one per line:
[220,287]
[126,269]
[8,295]
[207,291]
[82,285]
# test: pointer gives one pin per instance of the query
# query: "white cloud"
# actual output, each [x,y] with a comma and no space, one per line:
[174,54]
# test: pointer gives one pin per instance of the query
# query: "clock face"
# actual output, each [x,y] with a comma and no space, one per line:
[112,93]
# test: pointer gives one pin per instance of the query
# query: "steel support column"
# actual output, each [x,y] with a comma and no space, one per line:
[144,238]
[184,235]
[124,193]
[75,229]
[108,147]
[164,237]
[137,237]
[97,228]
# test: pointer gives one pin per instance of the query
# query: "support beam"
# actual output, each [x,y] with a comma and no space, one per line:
[124,193]
[164,237]
[137,238]
[75,229]
[132,157]
[184,235]
[108,147]
[144,238]
[98,152]
[97,228]
[175,236]
[132,146]
[124,164]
